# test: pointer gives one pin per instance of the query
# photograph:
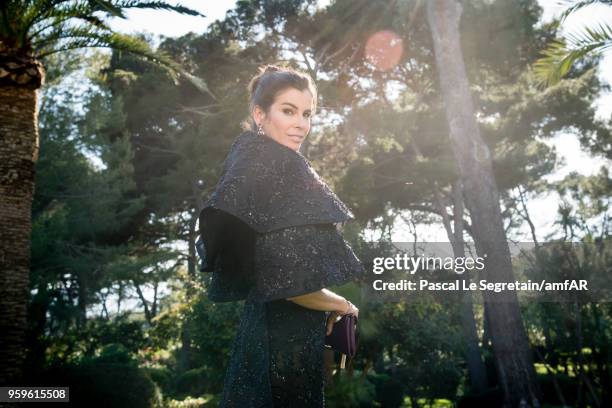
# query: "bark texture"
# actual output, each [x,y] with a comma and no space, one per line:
[516,373]
[476,368]
[18,68]
[18,154]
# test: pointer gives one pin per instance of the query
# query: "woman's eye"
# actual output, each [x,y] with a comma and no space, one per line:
[288,111]
[307,115]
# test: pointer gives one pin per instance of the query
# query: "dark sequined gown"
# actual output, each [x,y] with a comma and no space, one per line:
[268,233]
[277,356]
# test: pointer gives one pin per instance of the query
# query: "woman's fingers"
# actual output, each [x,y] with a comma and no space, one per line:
[331,319]
[335,316]
[354,310]
[330,325]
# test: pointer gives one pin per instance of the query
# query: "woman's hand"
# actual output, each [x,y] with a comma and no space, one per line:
[335,316]
[325,300]
[331,319]
[352,309]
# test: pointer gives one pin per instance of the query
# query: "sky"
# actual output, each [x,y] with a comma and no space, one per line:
[171,24]
[575,159]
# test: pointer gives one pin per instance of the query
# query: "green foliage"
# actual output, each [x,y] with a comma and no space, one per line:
[551,394]
[119,331]
[114,353]
[389,391]
[350,390]
[590,196]
[163,377]
[213,327]
[103,232]
[118,340]
[572,335]
[165,328]
[82,220]
[426,346]
[500,37]
[401,144]
[193,382]
[102,384]
[190,402]
[44,28]
[558,59]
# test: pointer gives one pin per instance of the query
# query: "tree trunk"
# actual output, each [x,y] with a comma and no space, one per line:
[476,368]
[603,358]
[37,319]
[185,354]
[510,344]
[18,154]
[145,304]
[82,298]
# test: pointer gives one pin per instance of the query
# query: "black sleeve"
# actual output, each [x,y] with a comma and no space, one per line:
[299,260]
[225,247]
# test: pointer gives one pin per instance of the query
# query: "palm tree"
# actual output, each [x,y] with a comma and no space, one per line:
[561,54]
[31,30]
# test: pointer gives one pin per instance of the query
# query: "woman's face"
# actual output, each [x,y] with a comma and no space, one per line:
[288,119]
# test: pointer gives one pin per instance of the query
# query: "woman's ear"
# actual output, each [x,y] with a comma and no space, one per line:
[258,114]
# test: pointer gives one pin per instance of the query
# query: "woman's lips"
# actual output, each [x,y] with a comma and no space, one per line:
[297,138]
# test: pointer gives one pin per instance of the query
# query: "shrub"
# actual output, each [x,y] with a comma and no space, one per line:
[350,391]
[193,382]
[103,384]
[389,391]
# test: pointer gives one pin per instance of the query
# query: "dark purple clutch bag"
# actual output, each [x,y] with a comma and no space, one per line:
[344,336]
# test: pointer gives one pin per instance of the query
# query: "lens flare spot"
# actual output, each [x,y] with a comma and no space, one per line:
[384,50]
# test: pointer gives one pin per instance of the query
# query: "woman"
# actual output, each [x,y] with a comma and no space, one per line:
[268,235]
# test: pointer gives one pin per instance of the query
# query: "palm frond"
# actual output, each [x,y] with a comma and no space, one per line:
[108,7]
[51,26]
[601,34]
[10,12]
[17,17]
[155,5]
[21,20]
[556,61]
[61,33]
[558,58]
[573,6]
[89,37]
[66,16]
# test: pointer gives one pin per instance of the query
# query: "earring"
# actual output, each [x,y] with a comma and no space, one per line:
[260,130]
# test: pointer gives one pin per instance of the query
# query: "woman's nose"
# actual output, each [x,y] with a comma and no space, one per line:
[302,122]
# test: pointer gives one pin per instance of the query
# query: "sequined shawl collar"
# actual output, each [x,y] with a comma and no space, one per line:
[270,186]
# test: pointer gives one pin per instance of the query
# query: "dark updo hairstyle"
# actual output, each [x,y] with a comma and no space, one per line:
[271,80]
